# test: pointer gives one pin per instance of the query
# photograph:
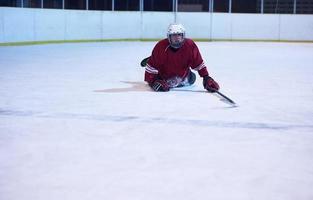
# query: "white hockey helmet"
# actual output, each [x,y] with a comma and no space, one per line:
[176,29]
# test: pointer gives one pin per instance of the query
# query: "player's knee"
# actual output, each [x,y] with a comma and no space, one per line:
[191,78]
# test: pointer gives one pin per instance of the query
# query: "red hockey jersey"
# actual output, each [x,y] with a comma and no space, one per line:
[166,63]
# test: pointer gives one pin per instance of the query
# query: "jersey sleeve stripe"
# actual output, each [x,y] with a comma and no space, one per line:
[201,66]
[151,70]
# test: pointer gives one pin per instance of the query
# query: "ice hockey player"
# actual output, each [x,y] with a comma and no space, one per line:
[171,60]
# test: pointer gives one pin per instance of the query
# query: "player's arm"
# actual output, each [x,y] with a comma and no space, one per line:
[152,74]
[198,65]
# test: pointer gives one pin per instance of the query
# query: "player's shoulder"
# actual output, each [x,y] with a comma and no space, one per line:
[163,42]
[189,42]
[161,45]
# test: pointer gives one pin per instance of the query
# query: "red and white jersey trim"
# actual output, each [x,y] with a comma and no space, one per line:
[151,70]
[201,66]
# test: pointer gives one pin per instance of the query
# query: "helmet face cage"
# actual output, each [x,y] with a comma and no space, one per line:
[176,29]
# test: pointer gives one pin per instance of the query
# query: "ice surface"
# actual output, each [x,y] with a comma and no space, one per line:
[78,122]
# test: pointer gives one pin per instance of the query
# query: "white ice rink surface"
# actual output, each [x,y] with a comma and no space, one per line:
[77,122]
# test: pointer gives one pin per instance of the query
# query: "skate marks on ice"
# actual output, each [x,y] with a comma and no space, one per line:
[134,87]
[155,120]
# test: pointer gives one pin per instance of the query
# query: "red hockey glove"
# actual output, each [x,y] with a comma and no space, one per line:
[209,84]
[160,86]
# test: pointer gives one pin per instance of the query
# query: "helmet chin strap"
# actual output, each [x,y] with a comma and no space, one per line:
[177,45]
[176,40]
[176,29]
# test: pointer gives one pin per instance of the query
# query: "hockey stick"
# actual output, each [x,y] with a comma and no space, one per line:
[225,98]
[216,93]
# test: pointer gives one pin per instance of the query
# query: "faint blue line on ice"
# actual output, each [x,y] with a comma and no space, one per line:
[16,113]
[139,119]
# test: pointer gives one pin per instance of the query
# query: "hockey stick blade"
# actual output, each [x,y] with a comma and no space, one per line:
[216,93]
[225,98]
[143,63]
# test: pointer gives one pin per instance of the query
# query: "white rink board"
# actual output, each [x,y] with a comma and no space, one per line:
[20,24]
